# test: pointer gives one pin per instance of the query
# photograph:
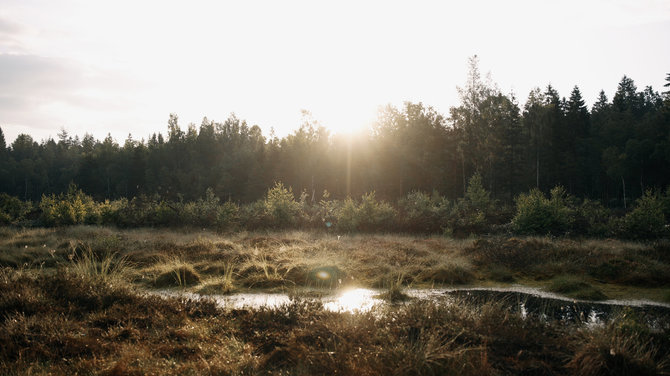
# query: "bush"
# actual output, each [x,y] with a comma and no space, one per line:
[281,208]
[535,214]
[347,216]
[592,219]
[646,220]
[12,209]
[71,208]
[327,210]
[369,215]
[471,214]
[374,215]
[204,212]
[423,213]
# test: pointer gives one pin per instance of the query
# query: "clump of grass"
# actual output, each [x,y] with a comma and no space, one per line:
[224,284]
[262,271]
[450,275]
[394,293]
[106,266]
[624,346]
[576,288]
[177,273]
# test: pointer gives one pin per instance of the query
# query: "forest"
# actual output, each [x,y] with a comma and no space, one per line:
[610,155]
[501,218]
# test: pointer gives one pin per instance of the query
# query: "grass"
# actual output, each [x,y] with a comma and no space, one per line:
[72,302]
[67,323]
[394,293]
[288,260]
[174,272]
[575,287]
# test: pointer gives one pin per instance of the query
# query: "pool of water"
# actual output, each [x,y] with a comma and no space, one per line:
[529,302]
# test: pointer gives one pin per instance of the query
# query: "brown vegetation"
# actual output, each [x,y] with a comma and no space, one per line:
[73,302]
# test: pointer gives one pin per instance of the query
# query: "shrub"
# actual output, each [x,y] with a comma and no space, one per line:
[12,209]
[71,208]
[281,207]
[327,210]
[535,214]
[374,215]
[470,214]
[228,215]
[592,219]
[204,212]
[369,215]
[646,220]
[347,216]
[423,213]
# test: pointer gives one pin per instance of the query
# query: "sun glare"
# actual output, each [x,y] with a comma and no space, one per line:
[353,300]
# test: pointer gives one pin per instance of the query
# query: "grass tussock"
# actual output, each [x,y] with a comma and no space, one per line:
[177,273]
[624,346]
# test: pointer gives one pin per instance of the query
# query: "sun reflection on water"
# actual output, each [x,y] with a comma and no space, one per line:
[354,300]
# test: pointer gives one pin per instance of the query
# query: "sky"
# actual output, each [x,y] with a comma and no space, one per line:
[121,67]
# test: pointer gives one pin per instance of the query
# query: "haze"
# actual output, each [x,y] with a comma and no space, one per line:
[122,67]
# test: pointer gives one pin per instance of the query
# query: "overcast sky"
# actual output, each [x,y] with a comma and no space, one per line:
[122,66]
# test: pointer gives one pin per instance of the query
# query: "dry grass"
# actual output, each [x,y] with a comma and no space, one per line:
[286,260]
[71,323]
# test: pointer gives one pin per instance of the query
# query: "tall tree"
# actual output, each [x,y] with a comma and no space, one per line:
[575,154]
[467,120]
[3,144]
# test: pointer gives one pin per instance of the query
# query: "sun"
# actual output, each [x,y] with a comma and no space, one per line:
[356,122]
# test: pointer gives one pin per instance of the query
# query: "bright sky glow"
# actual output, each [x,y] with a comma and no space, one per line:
[123,66]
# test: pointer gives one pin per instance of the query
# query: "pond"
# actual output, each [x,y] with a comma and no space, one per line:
[529,302]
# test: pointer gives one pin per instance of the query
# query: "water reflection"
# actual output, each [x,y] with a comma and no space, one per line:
[526,303]
[353,300]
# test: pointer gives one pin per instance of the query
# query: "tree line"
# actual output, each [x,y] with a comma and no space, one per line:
[612,153]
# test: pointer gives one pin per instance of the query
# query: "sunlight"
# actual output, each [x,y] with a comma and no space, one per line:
[354,300]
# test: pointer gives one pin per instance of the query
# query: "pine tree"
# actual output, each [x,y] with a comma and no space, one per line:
[3,145]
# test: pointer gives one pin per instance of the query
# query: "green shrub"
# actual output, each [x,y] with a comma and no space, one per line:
[71,208]
[592,218]
[12,209]
[281,207]
[369,215]
[646,220]
[423,213]
[347,216]
[471,214]
[227,215]
[535,214]
[374,215]
[204,212]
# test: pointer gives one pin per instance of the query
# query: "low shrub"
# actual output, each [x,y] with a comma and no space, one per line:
[536,214]
[281,208]
[423,213]
[471,214]
[592,219]
[13,209]
[368,216]
[646,220]
[71,208]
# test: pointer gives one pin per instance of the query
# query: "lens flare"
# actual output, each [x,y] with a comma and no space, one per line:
[323,275]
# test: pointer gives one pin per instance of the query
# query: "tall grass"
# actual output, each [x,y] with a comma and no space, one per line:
[107,266]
